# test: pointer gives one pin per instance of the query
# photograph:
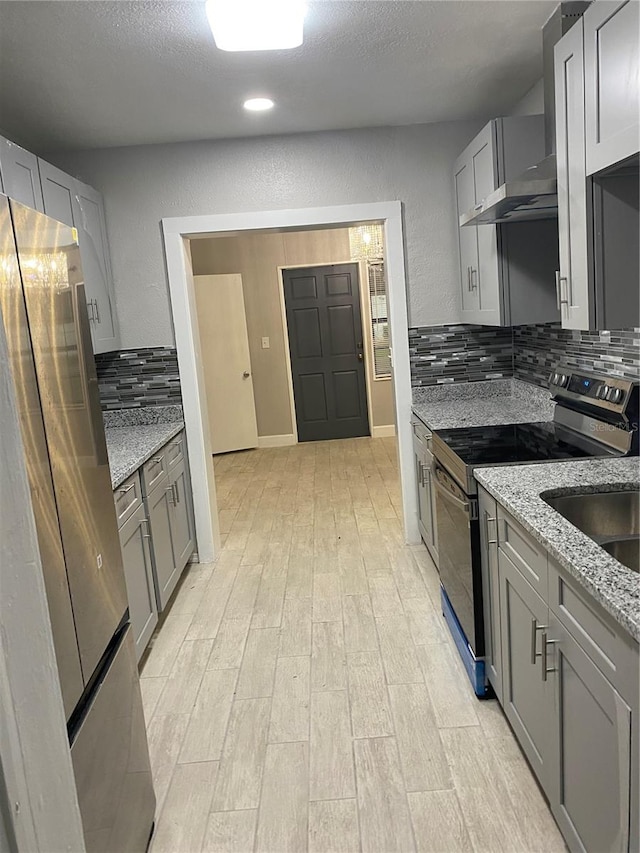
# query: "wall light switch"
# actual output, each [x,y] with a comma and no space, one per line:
[265,343]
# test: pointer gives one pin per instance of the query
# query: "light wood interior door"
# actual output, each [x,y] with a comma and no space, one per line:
[224,344]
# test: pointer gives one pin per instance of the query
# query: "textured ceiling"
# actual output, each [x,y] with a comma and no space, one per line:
[88,73]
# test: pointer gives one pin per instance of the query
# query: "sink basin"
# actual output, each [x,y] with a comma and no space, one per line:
[601,515]
[626,551]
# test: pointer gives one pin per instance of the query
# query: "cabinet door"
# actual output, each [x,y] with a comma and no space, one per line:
[88,212]
[490,589]
[574,283]
[485,277]
[526,696]
[591,789]
[138,572]
[20,176]
[467,240]
[57,193]
[160,509]
[182,527]
[612,82]
[432,527]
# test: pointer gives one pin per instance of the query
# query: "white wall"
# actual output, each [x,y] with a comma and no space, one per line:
[531,103]
[145,183]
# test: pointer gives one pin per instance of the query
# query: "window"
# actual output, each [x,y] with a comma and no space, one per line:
[379,319]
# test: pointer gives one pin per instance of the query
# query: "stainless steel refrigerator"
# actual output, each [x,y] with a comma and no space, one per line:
[43,308]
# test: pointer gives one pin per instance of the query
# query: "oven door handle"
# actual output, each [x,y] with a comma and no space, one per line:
[465,505]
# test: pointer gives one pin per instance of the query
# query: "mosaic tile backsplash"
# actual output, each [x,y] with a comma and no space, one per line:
[133,378]
[537,349]
[463,353]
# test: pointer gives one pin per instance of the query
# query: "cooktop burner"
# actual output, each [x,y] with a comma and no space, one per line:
[513,443]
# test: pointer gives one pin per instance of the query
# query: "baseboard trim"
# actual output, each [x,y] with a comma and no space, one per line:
[387,431]
[276,440]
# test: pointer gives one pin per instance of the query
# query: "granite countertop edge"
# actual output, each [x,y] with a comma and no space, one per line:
[518,489]
[145,439]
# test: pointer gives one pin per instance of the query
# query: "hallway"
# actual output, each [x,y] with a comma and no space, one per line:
[303,692]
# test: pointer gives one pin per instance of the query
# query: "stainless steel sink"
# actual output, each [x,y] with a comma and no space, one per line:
[601,515]
[626,551]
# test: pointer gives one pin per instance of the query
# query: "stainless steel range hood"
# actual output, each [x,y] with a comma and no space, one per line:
[534,193]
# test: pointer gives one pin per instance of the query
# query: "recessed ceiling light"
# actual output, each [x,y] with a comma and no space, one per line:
[258,105]
[256,24]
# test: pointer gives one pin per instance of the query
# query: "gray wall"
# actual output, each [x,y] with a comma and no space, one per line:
[143,184]
[531,103]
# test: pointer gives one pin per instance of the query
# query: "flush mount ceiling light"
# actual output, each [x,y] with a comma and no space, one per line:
[256,24]
[258,105]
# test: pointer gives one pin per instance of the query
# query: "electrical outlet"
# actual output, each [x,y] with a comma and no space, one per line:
[265,343]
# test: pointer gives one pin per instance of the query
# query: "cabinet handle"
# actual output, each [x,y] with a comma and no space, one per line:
[95,302]
[173,494]
[543,655]
[176,492]
[534,633]
[90,311]
[124,489]
[488,519]
[158,459]
[469,279]
[146,535]
[474,272]
[559,300]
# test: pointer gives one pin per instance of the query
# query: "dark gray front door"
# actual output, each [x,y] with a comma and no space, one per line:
[327,356]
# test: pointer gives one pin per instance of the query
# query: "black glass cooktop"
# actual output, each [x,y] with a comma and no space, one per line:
[514,443]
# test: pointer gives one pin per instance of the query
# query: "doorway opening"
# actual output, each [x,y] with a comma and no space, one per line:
[181,236]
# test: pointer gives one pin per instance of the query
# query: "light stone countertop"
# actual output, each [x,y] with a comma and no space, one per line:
[488,403]
[518,489]
[134,435]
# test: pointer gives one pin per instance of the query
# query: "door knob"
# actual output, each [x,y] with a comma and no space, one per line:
[360,356]
[246,374]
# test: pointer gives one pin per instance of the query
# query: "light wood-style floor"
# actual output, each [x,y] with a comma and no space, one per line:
[303,692]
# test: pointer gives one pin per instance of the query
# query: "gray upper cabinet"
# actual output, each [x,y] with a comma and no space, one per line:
[506,274]
[575,295]
[20,176]
[598,214]
[612,82]
[88,211]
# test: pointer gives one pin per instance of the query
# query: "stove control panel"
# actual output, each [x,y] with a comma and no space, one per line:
[609,392]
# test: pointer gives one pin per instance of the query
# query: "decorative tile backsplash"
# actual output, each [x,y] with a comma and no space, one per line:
[441,354]
[537,349]
[134,378]
[463,353]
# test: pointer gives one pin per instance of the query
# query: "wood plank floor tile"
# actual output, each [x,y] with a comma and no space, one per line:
[299,577]
[385,823]
[267,612]
[258,664]
[164,736]
[151,688]
[360,633]
[328,666]
[333,827]
[398,650]
[230,832]
[290,705]
[370,713]
[423,759]
[165,645]
[183,683]
[451,695]
[239,779]
[426,624]
[384,596]
[244,592]
[208,723]
[183,820]
[283,814]
[327,600]
[438,822]
[295,631]
[228,646]
[331,752]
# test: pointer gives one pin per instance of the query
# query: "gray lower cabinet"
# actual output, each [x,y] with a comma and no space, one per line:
[526,696]
[426,502]
[488,512]
[138,572]
[591,740]
[169,506]
[569,682]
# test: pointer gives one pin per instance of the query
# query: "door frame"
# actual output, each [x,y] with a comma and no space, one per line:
[285,326]
[176,234]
